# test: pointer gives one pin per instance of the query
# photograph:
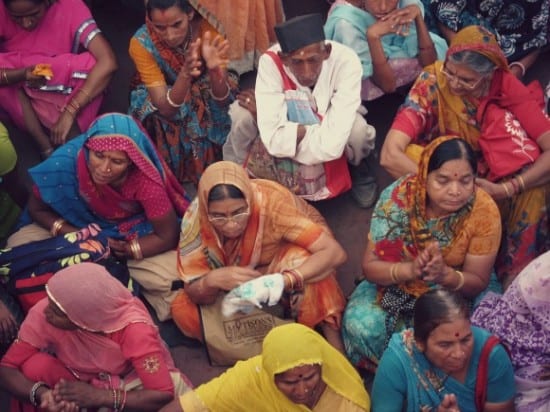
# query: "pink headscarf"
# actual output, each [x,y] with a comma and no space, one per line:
[94,300]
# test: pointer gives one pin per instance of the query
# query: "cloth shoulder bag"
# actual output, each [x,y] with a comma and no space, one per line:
[505,144]
[483,373]
[238,337]
[312,182]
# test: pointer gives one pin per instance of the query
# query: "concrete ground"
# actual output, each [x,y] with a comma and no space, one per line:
[349,222]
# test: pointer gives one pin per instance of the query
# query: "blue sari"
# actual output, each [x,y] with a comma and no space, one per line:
[58,179]
[407,381]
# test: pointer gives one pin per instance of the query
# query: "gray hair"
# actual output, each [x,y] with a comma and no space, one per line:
[475,61]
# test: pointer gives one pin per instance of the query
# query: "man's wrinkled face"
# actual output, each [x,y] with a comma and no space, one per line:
[306,63]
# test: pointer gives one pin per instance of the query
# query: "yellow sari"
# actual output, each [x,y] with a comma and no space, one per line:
[250,385]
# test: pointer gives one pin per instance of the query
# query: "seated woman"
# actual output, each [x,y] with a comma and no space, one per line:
[52,107]
[297,370]
[182,90]
[445,100]
[521,26]
[112,176]
[239,229]
[519,318]
[444,363]
[397,44]
[89,344]
[432,229]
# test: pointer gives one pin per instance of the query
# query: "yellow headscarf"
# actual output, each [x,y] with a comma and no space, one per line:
[250,385]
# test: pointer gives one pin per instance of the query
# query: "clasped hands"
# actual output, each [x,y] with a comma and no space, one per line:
[429,264]
[397,21]
[266,289]
[69,397]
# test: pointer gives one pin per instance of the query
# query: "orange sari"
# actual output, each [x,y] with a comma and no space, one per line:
[280,229]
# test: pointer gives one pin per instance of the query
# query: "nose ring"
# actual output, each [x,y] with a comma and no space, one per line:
[108,170]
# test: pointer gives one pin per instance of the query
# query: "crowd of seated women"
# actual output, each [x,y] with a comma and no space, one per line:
[453,313]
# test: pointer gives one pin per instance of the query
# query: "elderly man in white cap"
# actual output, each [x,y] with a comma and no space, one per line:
[304,122]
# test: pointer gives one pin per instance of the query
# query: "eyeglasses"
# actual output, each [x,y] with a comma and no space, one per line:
[466,84]
[238,218]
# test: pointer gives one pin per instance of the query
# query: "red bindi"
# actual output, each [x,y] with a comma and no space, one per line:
[457,334]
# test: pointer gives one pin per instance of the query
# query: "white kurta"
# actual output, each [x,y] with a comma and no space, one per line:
[336,94]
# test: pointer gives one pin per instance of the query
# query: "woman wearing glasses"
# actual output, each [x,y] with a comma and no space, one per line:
[238,230]
[445,100]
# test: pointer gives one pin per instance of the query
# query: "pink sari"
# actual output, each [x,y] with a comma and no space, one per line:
[59,39]
[116,344]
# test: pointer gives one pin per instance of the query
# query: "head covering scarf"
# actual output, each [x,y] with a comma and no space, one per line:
[286,347]
[480,40]
[198,234]
[96,302]
[64,182]
[99,303]
[521,319]
[456,114]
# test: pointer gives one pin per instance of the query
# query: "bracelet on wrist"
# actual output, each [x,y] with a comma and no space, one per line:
[4,76]
[135,249]
[520,65]
[521,183]
[460,280]
[171,102]
[394,274]
[34,391]
[224,97]
[56,226]
[506,190]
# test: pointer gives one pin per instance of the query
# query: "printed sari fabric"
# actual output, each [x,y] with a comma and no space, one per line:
[520,26]
[521,320]
[399,230]
[248,25]
[114,327]
[431,110]
[63,33]
[407,381]
[193,138]
[250,385]
[347,24]
[280,228]
[150,190]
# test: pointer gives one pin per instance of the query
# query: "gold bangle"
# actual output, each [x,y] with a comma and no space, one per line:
[69,109]
[290,279]
[85,93]
[460,280]
[506,189]
[221,99]
[520,65]
[393,274]
[56,226]
[5,76]
[521,183]
[135,248]
[171,102]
